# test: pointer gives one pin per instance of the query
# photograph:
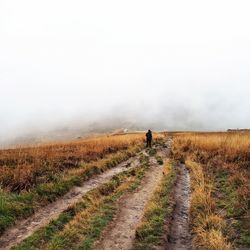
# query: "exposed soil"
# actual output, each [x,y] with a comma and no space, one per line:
[44,215]
[120,233]
[179,236]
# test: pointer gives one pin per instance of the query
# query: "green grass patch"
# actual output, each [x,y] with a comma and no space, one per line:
[159,160]
[229,201]
[151,151]
[39,238]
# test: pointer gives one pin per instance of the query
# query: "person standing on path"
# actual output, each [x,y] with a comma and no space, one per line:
[149,138]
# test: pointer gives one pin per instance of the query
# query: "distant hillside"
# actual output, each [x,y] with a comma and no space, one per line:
[67,133]
[239,130]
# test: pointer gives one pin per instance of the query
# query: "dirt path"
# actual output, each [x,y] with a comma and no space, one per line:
[180,238]
[43,216]
[121,232]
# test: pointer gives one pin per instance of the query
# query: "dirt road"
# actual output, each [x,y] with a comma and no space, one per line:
[44,215]
[120,234]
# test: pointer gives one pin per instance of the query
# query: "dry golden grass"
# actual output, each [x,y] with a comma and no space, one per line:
[211,240]
[227,151]
[229,146]
[219,165]
[23,168]
[206,225]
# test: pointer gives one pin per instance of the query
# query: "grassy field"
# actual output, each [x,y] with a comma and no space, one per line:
[218,164]
[34,176]
[220,203]
[24,168]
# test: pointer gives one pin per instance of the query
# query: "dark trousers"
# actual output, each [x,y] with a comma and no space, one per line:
[149,143]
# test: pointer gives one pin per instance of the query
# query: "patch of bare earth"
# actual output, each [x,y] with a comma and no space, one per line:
[120,233]
[44,215]
[179,235]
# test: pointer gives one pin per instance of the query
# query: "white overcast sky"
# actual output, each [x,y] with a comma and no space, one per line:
[178,64]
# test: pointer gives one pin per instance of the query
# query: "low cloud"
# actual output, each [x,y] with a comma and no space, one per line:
[97,66]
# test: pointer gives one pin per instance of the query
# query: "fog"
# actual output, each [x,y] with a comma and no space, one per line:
[101,65]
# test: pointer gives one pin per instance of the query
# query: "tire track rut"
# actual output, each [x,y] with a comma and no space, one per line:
[120,234]
[180,237]
[24,228]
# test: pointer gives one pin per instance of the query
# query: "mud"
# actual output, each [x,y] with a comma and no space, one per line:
[120,234]
[179,236]
[44,215]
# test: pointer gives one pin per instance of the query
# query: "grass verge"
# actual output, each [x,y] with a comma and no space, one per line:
[150,231]
[209,228]
[224,159]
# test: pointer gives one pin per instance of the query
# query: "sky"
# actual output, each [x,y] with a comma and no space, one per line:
[177,65]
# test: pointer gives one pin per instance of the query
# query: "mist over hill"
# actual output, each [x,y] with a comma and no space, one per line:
[95,66]
[161,119]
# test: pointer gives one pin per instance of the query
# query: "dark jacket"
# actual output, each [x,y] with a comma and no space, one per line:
[149,135]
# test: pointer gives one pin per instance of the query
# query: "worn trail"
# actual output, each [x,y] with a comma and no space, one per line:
[44,215]
[120,233]
[180,238]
